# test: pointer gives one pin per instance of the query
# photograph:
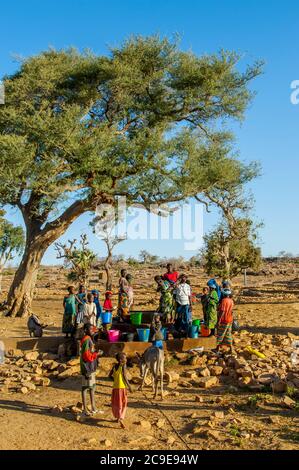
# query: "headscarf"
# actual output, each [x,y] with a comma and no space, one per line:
[213,285]
[226,292]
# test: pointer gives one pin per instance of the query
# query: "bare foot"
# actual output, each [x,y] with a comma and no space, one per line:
[122,424]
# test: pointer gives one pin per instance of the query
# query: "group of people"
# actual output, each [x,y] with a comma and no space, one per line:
[89,358]
[175,310]
[83,307]
[176,305]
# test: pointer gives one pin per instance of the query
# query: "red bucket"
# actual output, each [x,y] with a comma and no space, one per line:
[205,332]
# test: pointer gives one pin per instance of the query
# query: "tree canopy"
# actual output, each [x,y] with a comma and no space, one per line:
[79,130]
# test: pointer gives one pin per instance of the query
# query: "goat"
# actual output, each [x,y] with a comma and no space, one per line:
[153,360]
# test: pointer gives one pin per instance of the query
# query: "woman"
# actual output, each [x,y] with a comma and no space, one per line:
[126,298]
[167,303]
[212,308]
[69,316]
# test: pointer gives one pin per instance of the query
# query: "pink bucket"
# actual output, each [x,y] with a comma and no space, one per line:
[113,336]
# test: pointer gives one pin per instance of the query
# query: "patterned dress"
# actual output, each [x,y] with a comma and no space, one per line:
[212,312]
[167,303]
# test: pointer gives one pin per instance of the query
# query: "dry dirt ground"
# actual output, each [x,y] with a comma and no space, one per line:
[269,305]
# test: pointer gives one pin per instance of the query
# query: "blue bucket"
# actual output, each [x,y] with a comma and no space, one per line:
[143,335]
[106,318]
[193,332]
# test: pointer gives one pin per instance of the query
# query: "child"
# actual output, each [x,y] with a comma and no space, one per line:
[90,311]
[81,300]
[119,399]
[88,365]
[204,302]
[70,313]
[225,321]
[157,333]
[96,299]
[107,306]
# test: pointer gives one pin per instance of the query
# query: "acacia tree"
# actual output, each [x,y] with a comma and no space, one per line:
[12,242]
[78,258]
[231,247]
[105,228]
[228,253]
[78,130]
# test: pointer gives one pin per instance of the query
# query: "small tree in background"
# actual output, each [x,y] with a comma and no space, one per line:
[105,228]
[78,258]
[227,253]
[12,241]
[148,258]
[231,247]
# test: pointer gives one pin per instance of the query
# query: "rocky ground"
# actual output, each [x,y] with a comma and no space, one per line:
[243,402]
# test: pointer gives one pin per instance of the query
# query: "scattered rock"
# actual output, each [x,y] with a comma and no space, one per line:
[24,390]
[161,423]
[92,441]
[219,414]
[74,362]
[207,382]
[204,372]
[288,402]
[141,440]
[171,377]
[216,370]
[29,385]
[68,373]
[31,356]
[146,425]
[171,440]
[199,399]
[14,353]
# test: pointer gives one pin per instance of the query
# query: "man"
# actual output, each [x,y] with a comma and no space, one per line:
[183,297]
[171,275]
[88,364]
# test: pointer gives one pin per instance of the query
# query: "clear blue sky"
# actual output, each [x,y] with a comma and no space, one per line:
[264,29]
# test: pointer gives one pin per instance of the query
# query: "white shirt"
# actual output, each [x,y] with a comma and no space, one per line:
[90,313]
[182,294]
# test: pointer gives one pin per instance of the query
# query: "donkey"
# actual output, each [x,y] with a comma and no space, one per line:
[153,360]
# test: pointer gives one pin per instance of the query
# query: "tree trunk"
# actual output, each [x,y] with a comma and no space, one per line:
[108,264]
[21,292]
[227,263]
[38,240]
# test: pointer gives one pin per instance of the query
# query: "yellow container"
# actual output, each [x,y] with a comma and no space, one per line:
[255,352]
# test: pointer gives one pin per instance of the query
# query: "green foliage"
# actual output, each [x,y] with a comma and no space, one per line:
[148,258]
[133,262]
[85,126]
[12,241]
[228,253]
[79,259]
